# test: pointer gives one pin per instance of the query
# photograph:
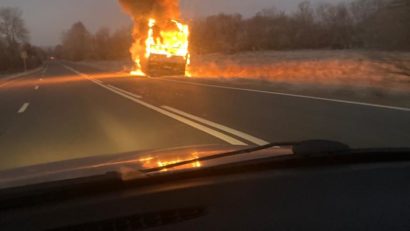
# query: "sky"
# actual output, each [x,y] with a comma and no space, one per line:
[48,19]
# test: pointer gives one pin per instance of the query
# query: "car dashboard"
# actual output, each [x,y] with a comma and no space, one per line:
[354,196]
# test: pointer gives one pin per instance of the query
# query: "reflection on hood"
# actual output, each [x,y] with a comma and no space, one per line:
[135,164]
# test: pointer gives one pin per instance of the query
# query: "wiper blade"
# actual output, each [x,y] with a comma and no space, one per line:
[217,156]
[304,153]
[300,148]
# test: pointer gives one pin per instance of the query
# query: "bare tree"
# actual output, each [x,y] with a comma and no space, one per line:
[337,23]
[102,43]
[305,13]
[13,34]
[305,29]
[3,55]
[120,43]
[383,24]
[363,10]
[12,26]
[219,33]
[77,44]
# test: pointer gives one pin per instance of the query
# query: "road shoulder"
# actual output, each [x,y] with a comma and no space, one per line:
[6,79]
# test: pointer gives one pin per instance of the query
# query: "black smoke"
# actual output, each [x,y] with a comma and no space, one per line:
[158,9]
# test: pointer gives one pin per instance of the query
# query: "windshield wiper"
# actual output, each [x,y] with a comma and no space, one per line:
[217,156]
[301,148]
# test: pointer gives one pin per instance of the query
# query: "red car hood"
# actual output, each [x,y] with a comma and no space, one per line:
[127,163]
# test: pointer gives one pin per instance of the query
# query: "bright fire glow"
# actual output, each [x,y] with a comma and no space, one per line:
[138,70]
[188,66]
[170,39]
[163,163]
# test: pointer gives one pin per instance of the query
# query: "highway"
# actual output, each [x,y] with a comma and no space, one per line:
[66,111]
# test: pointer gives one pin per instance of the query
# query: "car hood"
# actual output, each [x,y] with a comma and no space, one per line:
[127,164]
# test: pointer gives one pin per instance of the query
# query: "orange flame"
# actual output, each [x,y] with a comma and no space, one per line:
[150,162]
[138,70]
[170,39]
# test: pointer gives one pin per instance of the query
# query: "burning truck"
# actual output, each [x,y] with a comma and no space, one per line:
[161,41]
[166,48]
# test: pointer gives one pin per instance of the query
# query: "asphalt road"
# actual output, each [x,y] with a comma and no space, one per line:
[67,111]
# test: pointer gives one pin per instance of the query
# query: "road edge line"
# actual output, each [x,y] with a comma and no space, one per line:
[296,96]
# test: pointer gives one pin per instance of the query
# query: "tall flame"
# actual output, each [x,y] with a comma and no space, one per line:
[171,41]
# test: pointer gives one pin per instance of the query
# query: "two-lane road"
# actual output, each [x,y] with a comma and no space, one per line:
[66,112]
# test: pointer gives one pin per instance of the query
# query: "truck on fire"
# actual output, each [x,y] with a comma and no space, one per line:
[166,49]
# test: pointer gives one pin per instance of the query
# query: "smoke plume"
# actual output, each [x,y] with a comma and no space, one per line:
[158,9]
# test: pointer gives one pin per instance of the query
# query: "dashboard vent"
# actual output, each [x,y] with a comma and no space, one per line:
[139,221]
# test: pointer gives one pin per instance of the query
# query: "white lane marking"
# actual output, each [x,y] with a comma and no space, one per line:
[124,91]
[98,81]
[219,126]
[23,108]
[181,119]
[36,87]
[295,95]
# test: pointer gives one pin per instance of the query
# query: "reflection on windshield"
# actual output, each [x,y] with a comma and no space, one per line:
[162,162]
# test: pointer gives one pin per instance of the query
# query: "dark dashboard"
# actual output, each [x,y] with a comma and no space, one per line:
[321,194]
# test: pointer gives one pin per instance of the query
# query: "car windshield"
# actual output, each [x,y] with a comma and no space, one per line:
[99,79]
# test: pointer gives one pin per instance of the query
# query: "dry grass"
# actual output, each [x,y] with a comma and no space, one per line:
[381,70]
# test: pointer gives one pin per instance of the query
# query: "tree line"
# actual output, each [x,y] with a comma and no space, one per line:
[14,44]
[78,43]
[368,24]
[359,24]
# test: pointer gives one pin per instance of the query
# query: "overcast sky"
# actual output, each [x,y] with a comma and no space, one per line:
[47,19]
